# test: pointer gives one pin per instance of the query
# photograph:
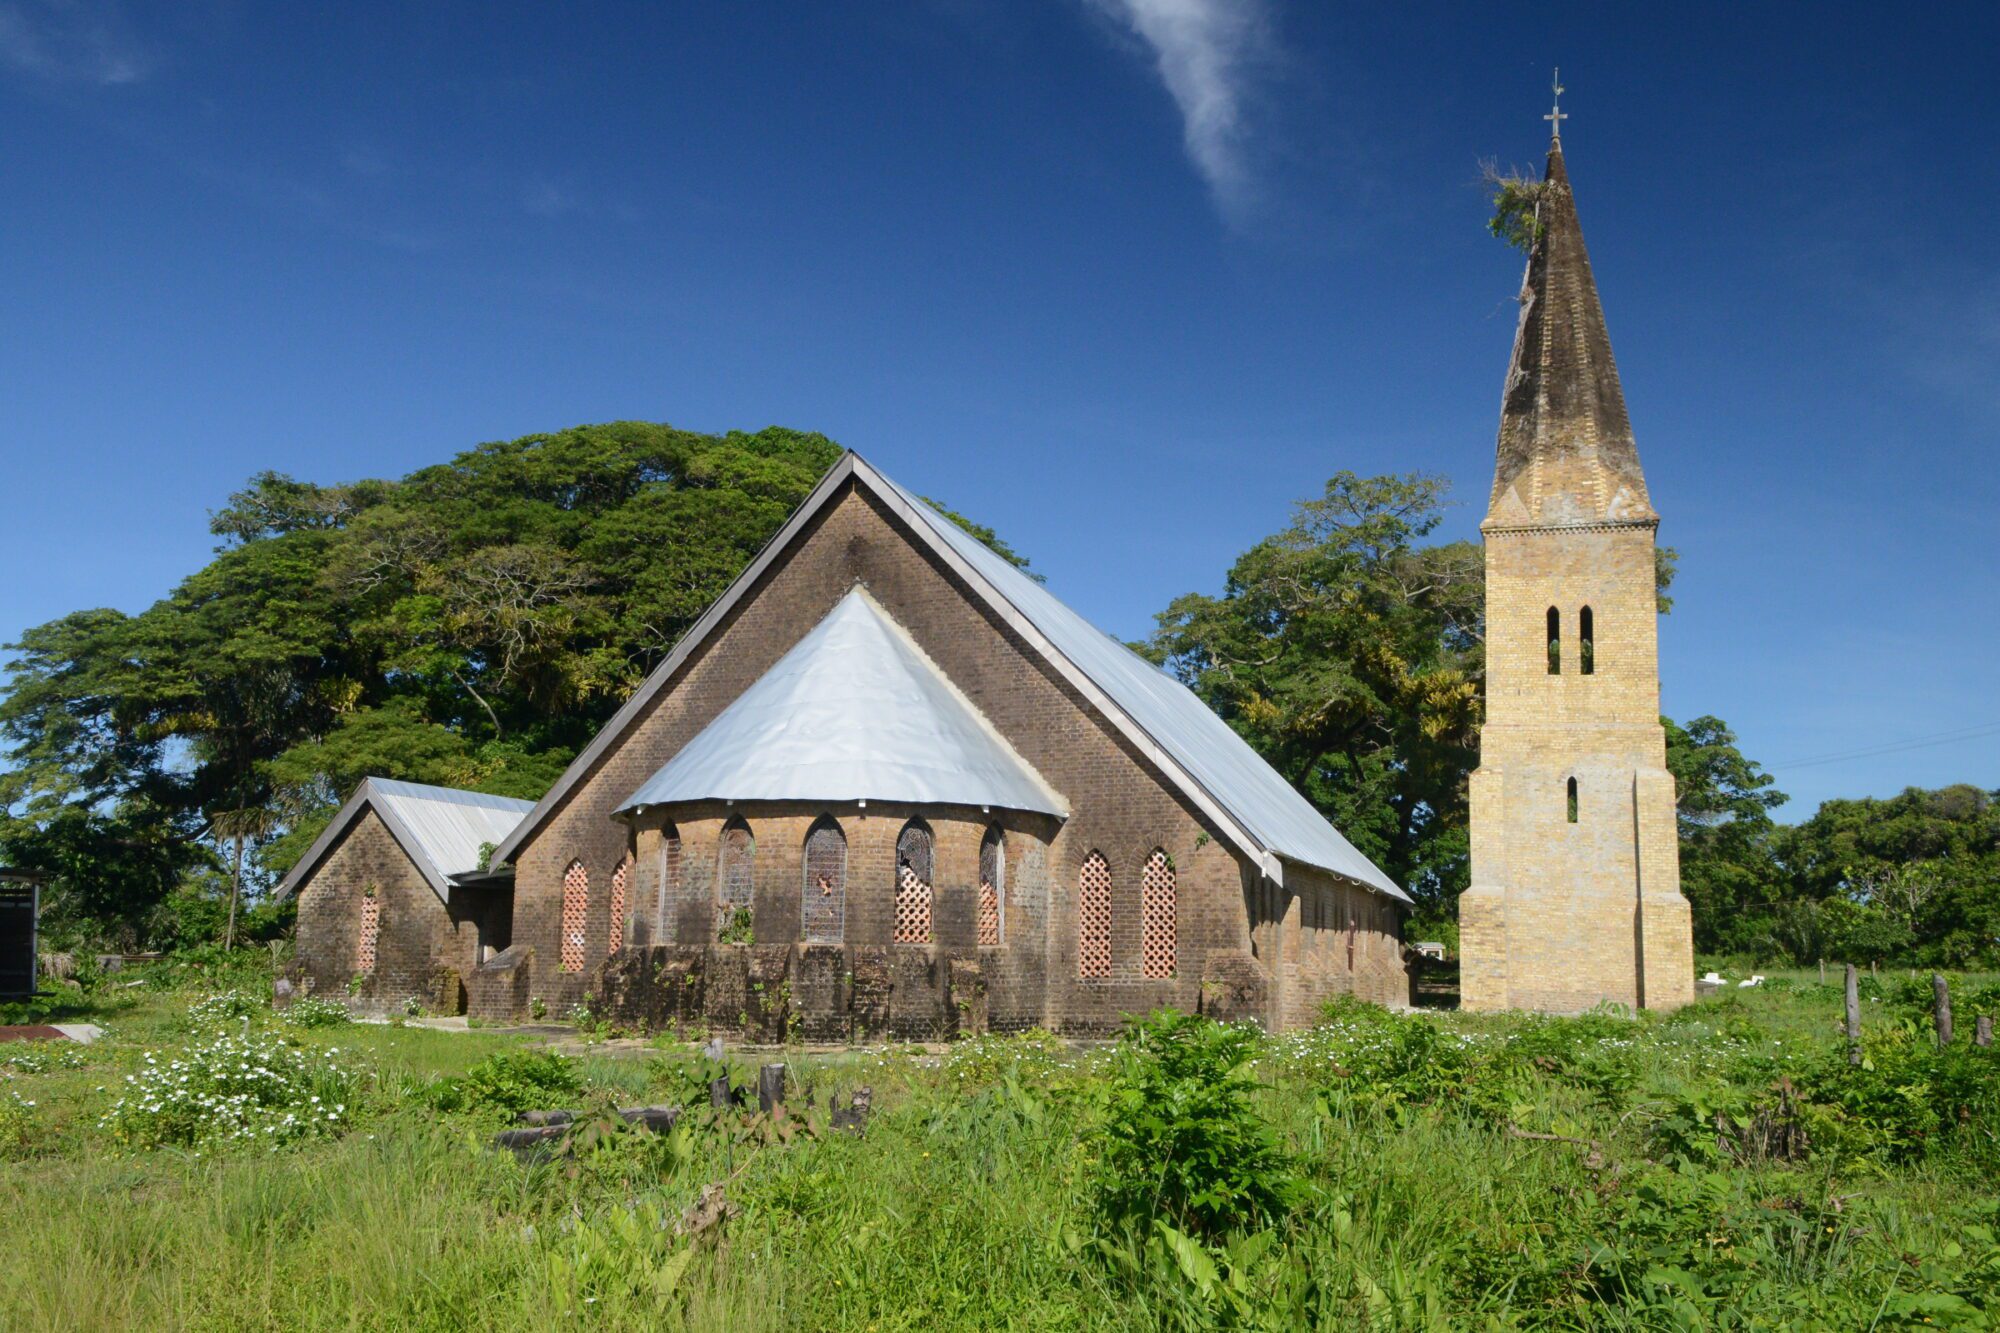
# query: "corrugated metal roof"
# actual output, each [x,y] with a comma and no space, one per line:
[1222,762]
[854,711]
[441,828]
[448,825]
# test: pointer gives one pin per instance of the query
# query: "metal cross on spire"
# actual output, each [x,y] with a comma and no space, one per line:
[1557,115]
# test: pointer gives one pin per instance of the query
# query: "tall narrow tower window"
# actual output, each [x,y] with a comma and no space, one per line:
[1586,650]
[1572,800]
[1555,642]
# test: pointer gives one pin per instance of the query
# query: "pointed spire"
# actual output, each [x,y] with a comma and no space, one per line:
[1566,455]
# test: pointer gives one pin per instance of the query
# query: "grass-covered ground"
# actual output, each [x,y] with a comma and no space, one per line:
[1723,1167]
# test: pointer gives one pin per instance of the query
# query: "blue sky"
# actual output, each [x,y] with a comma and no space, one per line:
[1122,278]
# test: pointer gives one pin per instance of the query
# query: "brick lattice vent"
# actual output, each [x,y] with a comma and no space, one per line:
[1157,928]
[575,911]
[825,891]
[992,865]
[619,878]
[1093,917]
[913,886]
[371,932]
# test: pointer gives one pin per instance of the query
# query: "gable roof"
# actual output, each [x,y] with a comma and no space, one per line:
[440,828]
[854,711]
[1260,813]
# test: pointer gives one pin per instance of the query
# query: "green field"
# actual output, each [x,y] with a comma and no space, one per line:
[1724,1167]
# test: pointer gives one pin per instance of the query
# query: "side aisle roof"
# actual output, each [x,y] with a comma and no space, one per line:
[1213,767]
[441,828]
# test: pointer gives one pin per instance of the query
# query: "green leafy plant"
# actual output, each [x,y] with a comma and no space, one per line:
[511,1081]
[737,928]
[1181,1141]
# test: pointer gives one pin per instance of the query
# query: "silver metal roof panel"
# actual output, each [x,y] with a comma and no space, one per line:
[855,711]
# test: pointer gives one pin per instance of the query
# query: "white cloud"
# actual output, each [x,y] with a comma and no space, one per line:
[1209,53]
[72,41]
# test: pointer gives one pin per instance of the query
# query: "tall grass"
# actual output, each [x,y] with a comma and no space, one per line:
[973,1200]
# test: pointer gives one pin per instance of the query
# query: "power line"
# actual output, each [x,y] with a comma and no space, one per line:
[1893,747]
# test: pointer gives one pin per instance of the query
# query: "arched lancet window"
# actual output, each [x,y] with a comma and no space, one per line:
[1572,800]
[823,899]
[575,913]
[666,909]
[1093,917]
[1555,642]
[735,883]
[621,879]
[1157,928]
[1586,648]
[992,886]
[366,941]
[916,872]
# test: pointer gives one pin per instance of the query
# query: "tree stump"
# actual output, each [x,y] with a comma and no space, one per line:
[770,1087]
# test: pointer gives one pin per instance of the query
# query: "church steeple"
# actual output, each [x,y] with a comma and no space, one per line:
[1566,455]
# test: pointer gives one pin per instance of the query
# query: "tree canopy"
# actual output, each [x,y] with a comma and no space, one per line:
[471,624]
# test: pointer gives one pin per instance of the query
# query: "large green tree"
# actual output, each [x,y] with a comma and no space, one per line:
[1728,868]
[471,624]
[1349,654]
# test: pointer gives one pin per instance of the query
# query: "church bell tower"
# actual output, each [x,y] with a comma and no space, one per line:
[1575,895]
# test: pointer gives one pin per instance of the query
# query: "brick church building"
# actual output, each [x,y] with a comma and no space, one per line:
[887,786]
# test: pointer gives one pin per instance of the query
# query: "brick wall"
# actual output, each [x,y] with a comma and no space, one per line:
[423,948]
[1120,806]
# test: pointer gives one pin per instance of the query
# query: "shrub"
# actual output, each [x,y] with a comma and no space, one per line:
[1182,1143]
[233,1090]
[512,1081]
[312,1012]
[217,1009]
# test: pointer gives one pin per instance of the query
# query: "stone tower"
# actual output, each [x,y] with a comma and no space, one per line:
[1575,895]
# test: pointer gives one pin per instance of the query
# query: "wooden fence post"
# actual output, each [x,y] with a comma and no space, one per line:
[1822,971]
[1853,1018]
[770,1087]
[1942,990]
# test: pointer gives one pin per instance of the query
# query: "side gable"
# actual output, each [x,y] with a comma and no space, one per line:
[436,827]
[1099,688]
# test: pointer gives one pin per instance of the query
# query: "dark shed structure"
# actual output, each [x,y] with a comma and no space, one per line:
[20,909]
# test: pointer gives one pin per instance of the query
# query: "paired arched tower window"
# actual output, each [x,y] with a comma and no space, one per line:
[916,872]
[992,886]
[823,898]
[575,916]
[1586,636]
[735,880]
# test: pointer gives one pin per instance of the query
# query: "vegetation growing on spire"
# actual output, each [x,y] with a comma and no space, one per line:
[1517,198]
